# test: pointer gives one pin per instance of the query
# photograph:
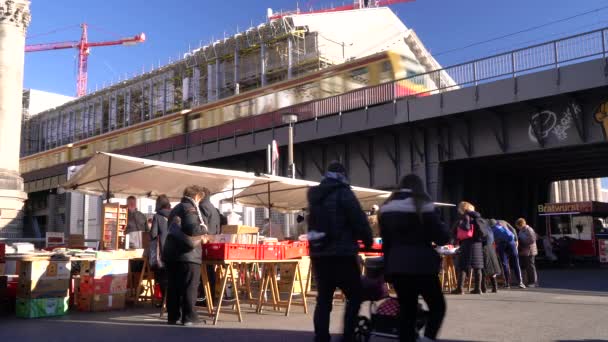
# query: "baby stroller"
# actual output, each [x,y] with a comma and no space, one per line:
[382,317]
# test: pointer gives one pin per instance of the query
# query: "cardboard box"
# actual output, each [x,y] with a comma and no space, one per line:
[236,229]
[43,288]
[75,240]
[84,303]
[101,268]
[116,284]
[108,302]
[45,269]
[42,307]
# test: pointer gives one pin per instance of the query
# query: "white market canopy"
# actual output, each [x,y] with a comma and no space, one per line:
[122,176]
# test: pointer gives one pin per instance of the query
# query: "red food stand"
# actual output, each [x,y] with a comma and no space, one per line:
[583,222]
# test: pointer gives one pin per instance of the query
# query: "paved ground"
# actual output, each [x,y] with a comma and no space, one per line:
[571,306]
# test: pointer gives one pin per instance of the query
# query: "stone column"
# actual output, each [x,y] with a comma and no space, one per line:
[14,20]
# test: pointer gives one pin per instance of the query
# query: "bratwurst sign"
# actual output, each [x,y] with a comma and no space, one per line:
[578,207]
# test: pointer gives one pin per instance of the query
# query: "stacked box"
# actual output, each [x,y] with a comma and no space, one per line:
[103,285]
[41,307]
[42,290]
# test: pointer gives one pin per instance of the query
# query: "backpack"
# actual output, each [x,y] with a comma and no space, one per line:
[502,234]
[323,223]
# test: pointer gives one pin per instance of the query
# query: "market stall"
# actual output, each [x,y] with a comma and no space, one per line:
[579,227]
[280,269]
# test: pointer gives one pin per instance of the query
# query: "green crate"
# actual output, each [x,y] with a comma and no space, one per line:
[42,307]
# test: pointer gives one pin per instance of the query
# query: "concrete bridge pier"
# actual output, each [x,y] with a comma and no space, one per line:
[14,20]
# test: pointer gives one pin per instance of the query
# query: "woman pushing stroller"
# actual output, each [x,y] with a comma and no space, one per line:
[409,226]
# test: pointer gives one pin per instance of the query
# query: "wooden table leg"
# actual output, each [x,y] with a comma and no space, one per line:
[293,284]
[221,300]
[276,294]
[236,290]
[207,289]
[263,286]
[302,287]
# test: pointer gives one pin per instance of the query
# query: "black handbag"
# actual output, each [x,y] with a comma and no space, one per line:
[155,255]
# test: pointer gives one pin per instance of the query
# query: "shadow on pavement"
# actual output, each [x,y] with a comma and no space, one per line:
[581,340]
[574,281]
[114,327]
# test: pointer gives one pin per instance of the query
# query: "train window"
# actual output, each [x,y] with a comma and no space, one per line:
[113,144]
[332,86]
[135,137]
[194,122]
[386,66]
[148,134]
[176,126]
[359,72]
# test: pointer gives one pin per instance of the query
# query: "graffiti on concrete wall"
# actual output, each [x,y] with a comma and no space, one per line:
[601,117]
[548,123]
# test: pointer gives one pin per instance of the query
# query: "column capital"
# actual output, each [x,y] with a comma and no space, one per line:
[15,12]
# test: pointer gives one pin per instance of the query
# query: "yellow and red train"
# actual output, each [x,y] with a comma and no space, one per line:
[328,90]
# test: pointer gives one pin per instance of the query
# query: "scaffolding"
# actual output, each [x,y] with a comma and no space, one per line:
[269,53]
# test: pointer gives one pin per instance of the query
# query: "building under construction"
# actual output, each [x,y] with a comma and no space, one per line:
[281,49]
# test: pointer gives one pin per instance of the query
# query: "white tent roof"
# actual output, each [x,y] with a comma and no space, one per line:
[149,178]
[287,194]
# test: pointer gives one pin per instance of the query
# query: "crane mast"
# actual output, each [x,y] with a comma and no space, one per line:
[84,49]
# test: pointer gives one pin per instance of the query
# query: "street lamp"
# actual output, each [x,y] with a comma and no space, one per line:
[290,119]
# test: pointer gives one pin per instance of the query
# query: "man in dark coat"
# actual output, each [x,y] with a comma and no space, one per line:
[211,217]
[335,223]
[137,223]
[182,255]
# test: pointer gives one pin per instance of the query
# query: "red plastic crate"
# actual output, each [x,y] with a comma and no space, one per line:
[295,250]
[2,251]
[229,251]
[377,246]
[270,252]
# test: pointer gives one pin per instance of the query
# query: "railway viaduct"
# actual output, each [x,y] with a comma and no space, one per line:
[515,123]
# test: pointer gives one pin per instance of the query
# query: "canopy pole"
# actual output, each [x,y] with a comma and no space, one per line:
[108,182]
[233,194]
[269,212]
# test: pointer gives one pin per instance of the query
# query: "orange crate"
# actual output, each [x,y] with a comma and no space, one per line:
[270,252]
[229,251]
[295,250]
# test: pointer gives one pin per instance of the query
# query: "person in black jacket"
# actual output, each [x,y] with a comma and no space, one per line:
[211,218]
[409,225]
[335,223]
[182,254]
[158,236]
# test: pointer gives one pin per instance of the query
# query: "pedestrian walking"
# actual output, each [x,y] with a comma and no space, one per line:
[182,255]
[335,223]
[507,250]
[527,252]
[469,237]
[158,236]
[409,227]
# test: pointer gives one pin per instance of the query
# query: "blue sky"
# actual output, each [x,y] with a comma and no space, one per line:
[174,26]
